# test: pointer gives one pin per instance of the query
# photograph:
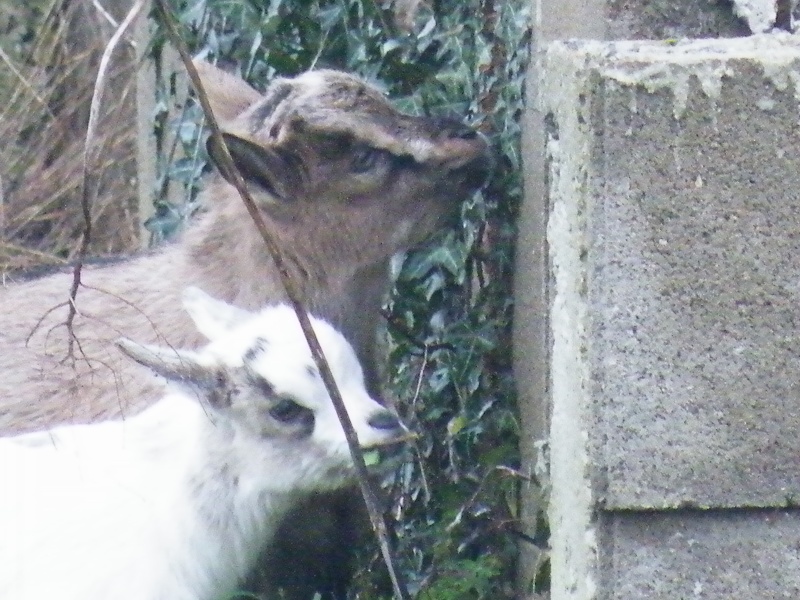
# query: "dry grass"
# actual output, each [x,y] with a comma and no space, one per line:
[45,94]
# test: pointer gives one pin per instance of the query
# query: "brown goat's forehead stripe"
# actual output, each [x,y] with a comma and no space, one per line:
[275,94]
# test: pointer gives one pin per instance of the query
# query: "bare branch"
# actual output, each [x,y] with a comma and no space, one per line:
[88,162]
[41,320]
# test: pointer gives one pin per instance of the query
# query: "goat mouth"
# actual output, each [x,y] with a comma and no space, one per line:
[404,436]
[387,454]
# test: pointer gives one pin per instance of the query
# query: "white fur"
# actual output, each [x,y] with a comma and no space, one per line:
[177,502]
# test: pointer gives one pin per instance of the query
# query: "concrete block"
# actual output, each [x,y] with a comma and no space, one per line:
[687,555]
[760,15]
[675,246]
[677,19]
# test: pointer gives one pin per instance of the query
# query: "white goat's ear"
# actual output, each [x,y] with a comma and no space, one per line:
[175,365]
[211,383]
[212,317]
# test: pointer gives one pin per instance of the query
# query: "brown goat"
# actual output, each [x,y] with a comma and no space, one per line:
[343,180]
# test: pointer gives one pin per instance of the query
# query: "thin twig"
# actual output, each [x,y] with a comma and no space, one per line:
[502,470]
[88,160]
[120,333]
[420,379]
[232,174]
[41,320]
[398,326]
[110,18]
[25,83]
[42,256]
[105,14]
[417,452]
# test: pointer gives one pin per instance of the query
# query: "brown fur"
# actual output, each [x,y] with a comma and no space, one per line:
[303,147]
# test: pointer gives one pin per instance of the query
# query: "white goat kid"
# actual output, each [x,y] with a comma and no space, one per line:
[177,502]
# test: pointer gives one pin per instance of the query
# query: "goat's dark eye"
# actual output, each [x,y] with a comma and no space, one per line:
[365,158]
[286,410]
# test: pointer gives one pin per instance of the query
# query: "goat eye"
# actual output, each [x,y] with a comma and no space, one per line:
[364,159]
[286,410]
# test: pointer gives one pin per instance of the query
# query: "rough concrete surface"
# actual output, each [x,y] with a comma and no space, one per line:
[553,20]
[675,246]
[751,554]
[760,15]
[676,19]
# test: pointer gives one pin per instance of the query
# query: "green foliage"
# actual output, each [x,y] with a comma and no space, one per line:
[465,579]
[449,316]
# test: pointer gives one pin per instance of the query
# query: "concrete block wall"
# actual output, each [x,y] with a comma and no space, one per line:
[660,244]
[674,245]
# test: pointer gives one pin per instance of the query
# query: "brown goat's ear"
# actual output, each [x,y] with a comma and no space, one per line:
[265,167]
[229,95]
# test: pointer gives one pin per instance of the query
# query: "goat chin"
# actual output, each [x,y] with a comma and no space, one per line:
[180,500]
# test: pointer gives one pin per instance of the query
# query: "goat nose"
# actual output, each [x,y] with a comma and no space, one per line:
[456,130]
[384,420]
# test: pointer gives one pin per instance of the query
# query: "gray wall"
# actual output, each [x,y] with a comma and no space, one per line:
[657,291]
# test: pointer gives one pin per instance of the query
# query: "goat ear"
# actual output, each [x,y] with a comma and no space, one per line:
[212,384]
[263,166]
[175,365]
[212,317]
[229,95]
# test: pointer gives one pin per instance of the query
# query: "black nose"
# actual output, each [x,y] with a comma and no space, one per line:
[454,129]
[384,420]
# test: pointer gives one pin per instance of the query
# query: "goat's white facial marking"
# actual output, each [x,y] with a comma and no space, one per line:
[299,405]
